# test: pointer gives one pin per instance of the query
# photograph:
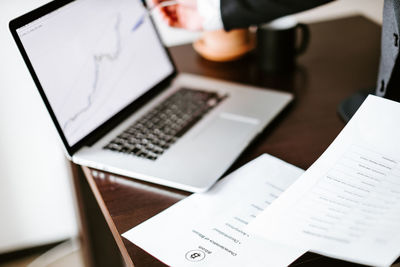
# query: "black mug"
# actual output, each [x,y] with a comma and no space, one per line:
[279,43]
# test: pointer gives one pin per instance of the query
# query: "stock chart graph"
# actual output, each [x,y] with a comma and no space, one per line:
[98,59]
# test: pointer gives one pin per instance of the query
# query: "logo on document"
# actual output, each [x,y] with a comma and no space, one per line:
[195,255]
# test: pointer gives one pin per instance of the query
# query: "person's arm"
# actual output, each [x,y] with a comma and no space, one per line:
[230,14]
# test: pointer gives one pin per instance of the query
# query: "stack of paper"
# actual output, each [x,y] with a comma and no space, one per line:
[208,229]
[347,205]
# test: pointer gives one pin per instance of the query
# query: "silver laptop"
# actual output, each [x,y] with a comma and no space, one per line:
[119,104]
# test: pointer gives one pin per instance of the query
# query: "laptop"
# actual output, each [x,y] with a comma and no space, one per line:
[119,104]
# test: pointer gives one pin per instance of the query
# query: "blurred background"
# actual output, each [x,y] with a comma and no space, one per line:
[37,202]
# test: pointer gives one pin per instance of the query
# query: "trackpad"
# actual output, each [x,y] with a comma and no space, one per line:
[227,132]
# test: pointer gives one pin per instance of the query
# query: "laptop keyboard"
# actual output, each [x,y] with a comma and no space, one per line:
[151,135]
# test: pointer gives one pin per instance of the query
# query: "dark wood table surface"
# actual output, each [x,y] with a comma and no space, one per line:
[342,58]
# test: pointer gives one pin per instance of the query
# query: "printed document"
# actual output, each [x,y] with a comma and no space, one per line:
[347,205]
[207,229]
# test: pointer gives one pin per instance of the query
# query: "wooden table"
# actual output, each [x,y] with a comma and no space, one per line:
[342,58]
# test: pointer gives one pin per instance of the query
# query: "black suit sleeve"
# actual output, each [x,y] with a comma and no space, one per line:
[243,13]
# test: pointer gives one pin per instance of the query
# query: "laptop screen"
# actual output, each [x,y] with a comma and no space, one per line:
[93,58]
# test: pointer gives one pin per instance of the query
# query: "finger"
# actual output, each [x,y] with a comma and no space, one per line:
[170,20]
[170,9]
[167,19]
[171,12]
[175,24]
[173,16]
[161,10]
[164,12]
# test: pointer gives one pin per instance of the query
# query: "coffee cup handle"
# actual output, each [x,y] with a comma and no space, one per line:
[305,38]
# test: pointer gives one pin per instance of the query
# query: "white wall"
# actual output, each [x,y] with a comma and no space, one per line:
[36,203]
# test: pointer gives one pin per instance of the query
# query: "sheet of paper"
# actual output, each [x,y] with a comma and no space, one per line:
[347,204]
[207,229]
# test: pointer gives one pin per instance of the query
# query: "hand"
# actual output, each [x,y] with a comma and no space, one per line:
[182,15]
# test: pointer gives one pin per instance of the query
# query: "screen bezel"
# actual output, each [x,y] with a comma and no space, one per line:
[104,128]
